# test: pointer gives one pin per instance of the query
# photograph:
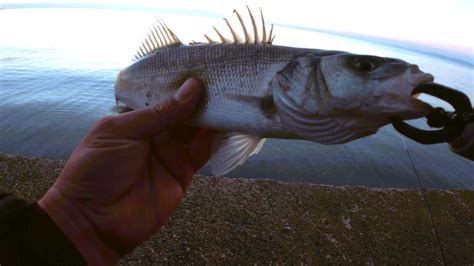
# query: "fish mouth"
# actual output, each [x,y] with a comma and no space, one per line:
[404,104]
[420,79]
[417,108]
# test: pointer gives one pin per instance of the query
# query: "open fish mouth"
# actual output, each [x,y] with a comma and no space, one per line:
[401,102]
[419,107]
[422,79]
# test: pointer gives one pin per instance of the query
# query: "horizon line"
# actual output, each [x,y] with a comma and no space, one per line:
[202,13]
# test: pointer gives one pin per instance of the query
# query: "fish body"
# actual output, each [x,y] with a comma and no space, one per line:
[259,90]
[236,76]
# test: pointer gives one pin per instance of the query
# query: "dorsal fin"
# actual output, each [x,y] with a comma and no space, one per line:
[249,34]
[160,36]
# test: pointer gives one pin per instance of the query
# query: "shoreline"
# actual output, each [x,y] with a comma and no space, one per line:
[232,220]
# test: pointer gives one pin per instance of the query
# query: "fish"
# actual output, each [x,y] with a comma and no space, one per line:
[257,90]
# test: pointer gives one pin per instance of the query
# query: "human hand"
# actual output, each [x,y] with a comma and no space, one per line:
[127,176]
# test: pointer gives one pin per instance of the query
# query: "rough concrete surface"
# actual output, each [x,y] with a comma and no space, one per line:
[261,221]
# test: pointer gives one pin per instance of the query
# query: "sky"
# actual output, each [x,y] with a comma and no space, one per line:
[436,26]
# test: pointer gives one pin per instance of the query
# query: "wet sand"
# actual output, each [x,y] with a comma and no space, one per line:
[261,221]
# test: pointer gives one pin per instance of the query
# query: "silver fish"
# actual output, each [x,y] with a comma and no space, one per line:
[257,90]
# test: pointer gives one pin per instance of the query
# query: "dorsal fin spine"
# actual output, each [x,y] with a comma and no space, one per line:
[163,35]
[175,38]
[162,30]
[270,39]
[143,52]
[258,38]
[232,31]
[155,30]
[150,43]
[152,40]
[209,39]
[243,26]
[167,30]
[150,48]
[255,32]
[264,37]
[158,37]
[223,40]
[156,41]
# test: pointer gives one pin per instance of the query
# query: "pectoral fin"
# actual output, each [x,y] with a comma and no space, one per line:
[233,149]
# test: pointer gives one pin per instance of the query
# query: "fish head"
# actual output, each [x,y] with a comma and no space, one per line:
[346,94]
[374,86]
[130,88]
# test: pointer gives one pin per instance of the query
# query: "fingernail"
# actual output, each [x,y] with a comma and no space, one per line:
[186,91]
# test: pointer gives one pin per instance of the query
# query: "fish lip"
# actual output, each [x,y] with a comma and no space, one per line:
[422,79]
[423,107]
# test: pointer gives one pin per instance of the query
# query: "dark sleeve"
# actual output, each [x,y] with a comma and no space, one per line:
[28,236]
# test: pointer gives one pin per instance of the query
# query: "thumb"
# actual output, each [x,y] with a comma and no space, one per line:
[155,119]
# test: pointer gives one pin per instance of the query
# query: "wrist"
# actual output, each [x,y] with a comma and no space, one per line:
[75,225]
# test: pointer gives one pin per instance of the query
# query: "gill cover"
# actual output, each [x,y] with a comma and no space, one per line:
[304,104]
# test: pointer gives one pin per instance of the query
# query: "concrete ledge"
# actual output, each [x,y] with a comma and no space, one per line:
[261,221]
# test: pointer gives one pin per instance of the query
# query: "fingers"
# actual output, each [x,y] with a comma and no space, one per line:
[183,156]
[174,156]
[168,193]
[200,148]
[184,134]
[152,120]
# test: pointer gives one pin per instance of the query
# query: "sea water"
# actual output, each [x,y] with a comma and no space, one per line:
[57,72]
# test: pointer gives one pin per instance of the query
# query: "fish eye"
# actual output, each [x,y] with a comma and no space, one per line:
[365,64]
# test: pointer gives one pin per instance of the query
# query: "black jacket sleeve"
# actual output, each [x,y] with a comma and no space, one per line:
[28,236]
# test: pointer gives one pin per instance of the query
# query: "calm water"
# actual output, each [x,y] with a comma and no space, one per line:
[58,66]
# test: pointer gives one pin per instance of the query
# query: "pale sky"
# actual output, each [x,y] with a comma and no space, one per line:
[443,25]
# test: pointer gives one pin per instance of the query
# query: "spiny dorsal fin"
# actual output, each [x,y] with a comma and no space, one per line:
[160,36]
[247,36]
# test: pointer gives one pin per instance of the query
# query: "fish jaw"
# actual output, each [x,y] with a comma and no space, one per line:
[385,104]
[381,93]
[398,101]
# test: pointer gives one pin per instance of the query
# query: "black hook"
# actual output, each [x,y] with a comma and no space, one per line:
[452,123]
